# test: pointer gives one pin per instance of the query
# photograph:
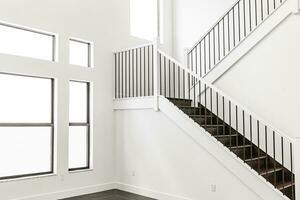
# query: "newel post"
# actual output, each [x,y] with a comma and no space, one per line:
[155,75]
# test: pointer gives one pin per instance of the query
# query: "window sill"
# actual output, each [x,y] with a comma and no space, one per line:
[28,178]
[80,171]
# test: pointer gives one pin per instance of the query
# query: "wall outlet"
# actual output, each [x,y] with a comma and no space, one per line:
[213,188]
[62,177]
[133,173]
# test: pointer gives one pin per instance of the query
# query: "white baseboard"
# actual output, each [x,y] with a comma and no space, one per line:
[148,193]
[71,192]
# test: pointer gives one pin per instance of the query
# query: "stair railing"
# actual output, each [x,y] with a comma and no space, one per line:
[229,31]
[145,71]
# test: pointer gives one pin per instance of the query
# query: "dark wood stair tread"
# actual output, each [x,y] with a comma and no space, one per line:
[223,136]
[256,158]
[286,185]
[270,170]
[240,146]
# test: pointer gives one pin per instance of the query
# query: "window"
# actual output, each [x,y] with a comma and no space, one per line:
[79,126]
[146,18]
[26,126]
[27,43]
[80,53]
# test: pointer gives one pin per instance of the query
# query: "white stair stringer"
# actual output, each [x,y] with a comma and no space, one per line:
[223,155]
[253,39]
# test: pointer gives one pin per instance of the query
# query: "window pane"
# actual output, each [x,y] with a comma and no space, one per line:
[25,99]
[25,150]
[79,53]
[78,147]
[144,18]
[78,102]
[25,43]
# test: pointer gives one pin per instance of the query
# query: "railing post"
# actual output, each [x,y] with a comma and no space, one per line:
[155,75]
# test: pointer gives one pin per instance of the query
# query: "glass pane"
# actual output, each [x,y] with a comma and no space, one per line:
[25,99]
[78,147]
[25,43]
[25,150]
[79,53]
[78,102]
[143,19]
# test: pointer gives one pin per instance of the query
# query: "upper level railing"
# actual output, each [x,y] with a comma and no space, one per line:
[229,31]
[147,71]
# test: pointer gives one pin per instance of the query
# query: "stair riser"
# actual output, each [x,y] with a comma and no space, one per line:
[232,141]
[207,120]
[182,102]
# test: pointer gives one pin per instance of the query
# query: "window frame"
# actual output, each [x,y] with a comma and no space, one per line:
[86,124]
[32,30]
[90,63]
[28,124]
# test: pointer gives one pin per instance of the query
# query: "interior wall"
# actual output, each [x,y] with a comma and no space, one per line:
[192,19]
[106,24]
[266,80]
[155,155]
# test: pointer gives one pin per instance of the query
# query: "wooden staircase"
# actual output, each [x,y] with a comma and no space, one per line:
[280,177]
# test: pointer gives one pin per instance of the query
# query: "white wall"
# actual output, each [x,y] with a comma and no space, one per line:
[267,80]
[106,23]
[192,19]
[153,153]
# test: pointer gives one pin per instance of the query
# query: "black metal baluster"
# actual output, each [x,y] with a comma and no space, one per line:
[194,95]
[148,80]
[250,15]
[153,70]
[160,76]
[223,19]
[282,161]
[244,11]
[292,171]
[169,79]
[262,10]
[233,21]
[244,135]
[251,138]
[268,7]
[129,73]
[230,142]
[217,100]
[211,108]
[228,23]
[133,61]
[125,66]
[214,45]
[209,52]
[223,102]
[239,19]
[141,86]
[137,72]
[183,83]
[274,156]
[237,125]
[144,71]
[122,75]
[165,77]
[205,105]
[258,144]
[179,85]
[204,54]
[219,47]
[266,143]
[200,59]
[255,12]
[200,103]
[115,55]
[119,78]
[274,4]
[174,77]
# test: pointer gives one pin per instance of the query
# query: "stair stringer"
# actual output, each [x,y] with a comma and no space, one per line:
[253,39]
[223,155]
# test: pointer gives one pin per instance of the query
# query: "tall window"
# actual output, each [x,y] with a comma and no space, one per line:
[80,53]
[27,43]
[79,126]
[146,18]
[26,126]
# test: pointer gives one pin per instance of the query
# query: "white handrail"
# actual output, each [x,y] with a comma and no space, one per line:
[255,116]
[133,48]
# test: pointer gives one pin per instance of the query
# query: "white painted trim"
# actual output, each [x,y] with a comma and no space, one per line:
[148,193]
[224,156]
[132,48]
[134,103]
[71,192]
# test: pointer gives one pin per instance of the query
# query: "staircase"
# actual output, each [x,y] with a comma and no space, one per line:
[276,174]
[146,71]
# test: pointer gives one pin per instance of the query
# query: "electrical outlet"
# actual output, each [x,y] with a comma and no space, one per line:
[213,188]
[133,173]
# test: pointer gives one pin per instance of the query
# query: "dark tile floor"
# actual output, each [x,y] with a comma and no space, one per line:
[110,195]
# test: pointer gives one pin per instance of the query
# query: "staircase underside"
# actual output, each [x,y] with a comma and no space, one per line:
[280,177]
